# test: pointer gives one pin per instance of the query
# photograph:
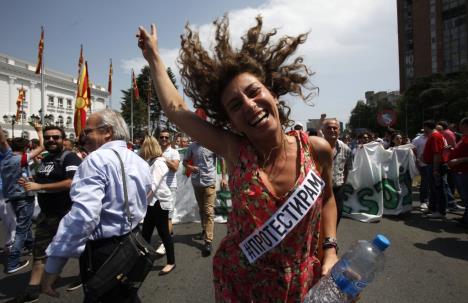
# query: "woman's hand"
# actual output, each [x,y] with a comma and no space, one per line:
[329,259]
[148,42]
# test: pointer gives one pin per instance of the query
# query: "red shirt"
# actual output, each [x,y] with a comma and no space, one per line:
[460,151]
[435,145]
[450,137]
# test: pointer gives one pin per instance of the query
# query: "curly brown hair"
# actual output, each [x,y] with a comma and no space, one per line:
[205,77]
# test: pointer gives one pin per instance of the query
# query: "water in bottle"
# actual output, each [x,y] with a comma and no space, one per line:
[349,276]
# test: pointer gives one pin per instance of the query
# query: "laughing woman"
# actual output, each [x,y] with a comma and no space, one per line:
[281,184]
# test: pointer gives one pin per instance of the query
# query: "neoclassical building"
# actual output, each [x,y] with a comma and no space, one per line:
[59,96]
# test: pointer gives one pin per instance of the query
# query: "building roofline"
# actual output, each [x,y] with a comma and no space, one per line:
[20,63]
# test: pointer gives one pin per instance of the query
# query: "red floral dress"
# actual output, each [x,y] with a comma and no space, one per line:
[288,271]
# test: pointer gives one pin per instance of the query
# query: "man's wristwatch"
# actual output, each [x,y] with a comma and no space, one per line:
[330,242]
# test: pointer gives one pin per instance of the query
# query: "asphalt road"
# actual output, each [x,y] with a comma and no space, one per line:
[427,262]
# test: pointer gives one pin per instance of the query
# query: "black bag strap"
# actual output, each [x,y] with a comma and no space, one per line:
[124,181]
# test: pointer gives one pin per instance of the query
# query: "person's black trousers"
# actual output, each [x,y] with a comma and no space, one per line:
[158,217]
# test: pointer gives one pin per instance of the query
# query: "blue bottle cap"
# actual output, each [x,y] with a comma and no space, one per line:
[381,242]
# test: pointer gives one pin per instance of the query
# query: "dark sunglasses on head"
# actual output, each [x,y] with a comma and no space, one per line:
[55,137]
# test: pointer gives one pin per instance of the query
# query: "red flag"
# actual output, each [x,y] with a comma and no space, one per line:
[136,92]
[41,50]
[82,100]
[109,84]
[19,103]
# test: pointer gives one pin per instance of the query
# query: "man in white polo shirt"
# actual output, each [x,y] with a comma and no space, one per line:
[172,160]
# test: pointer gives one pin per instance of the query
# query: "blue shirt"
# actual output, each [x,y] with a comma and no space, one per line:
[11,171]
[98,209]
[205,160]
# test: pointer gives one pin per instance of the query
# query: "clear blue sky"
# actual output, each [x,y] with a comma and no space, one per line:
[352,45]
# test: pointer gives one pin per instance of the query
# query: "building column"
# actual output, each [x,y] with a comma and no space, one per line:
[12,103]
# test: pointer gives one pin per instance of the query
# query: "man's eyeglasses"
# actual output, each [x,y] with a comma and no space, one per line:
[163,137]
[87,131]
[54,137]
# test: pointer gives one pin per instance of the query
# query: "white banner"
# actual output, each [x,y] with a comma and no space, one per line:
[380,182]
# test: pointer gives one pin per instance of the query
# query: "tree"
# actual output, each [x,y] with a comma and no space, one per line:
[364,116]
[140,106]
[437,97]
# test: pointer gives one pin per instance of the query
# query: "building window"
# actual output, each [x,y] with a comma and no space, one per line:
[60,103]
[25,135]
[51,101]
[69,103]
[60,121]
[69,121]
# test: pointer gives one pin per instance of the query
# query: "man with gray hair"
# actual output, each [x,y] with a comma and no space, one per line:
[97,222]
[342,161]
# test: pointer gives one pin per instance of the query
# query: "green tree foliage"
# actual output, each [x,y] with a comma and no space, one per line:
[364,116]
[438,97]
[140,106]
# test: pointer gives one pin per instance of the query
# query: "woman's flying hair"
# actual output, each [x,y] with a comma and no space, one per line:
[204,77]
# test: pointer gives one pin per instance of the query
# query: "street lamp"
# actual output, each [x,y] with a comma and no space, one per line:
[48,119]
[10,119]
[34,119]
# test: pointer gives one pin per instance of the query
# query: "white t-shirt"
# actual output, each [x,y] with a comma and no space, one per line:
[171,154]
[420,142]
[161,191]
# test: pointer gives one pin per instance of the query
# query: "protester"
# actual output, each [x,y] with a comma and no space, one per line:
[52,182]
[176,142]
[172,157]
[159,206]
[396,139]
[346,140]
[184,142]
[240,91]
[362,138]
[68,144]
[387,140]
[8,219]
[97,222]
[13,167]
[450,139]
[202,163]
[419,143]
[434,157]
[342,161]
[454,128]
[298,126]
[459,164]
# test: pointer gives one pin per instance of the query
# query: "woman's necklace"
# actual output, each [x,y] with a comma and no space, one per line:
[270,173]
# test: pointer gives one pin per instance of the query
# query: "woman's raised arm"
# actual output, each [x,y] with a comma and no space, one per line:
[219,141]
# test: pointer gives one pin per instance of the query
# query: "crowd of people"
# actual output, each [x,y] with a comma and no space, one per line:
[441,152]
[286,187]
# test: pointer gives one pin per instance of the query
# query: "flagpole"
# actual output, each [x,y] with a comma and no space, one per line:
[109,85]
[42,90]
[149,108]
[131,113]
[22,110]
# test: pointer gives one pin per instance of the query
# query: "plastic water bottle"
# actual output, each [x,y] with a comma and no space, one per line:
[351,274]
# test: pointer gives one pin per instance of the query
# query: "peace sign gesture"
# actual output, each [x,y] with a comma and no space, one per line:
[148,42]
